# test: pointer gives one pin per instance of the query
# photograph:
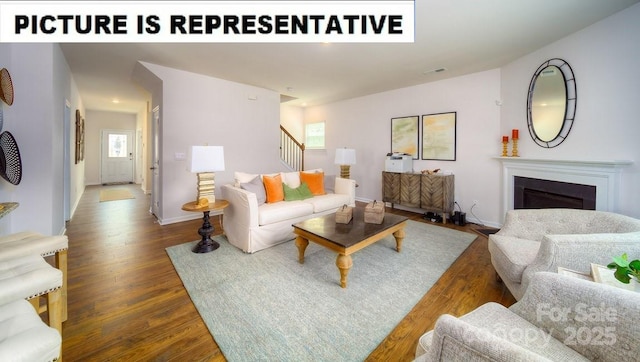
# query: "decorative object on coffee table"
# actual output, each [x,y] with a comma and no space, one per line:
[206,244]
[374,212]
[344,214]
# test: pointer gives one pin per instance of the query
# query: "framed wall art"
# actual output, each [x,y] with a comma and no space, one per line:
[439,136]
[78,135]
[82,139]
[404,135]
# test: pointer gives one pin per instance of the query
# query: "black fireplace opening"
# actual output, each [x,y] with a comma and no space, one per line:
[532,193]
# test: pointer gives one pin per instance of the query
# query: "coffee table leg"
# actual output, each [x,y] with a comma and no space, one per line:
[344,263]
[301,243]
[399,235]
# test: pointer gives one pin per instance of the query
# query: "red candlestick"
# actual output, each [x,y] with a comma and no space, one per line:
[514,134]
[505,138]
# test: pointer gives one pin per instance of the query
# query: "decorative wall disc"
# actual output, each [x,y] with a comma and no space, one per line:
[10,161]
[6,86]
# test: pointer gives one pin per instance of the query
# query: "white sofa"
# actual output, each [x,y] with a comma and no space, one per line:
[252,227]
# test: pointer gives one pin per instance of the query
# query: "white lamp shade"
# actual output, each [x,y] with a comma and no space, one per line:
[345,156]
[206,159]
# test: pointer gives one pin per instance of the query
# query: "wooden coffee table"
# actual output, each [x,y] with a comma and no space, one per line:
[346,239]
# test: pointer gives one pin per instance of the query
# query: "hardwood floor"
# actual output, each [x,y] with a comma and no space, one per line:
[127,303]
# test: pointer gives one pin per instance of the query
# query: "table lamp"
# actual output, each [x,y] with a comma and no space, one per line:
[345,157]
[204,161]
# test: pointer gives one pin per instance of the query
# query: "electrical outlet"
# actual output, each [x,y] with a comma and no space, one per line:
[475,202]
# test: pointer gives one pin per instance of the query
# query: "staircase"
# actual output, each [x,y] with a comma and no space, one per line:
[291,151]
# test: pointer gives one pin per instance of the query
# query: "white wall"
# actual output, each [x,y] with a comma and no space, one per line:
[148,81]
[292,119]
[199,110]
[95,122]
[365,124]
[143,150]
[605,61]
[604,58]
[42,84]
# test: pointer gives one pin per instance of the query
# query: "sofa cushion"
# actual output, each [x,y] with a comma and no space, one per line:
[273,188]
[315,181]
[301,192]
[327,202]
[257,187]
[512,255]
[281,211]
[291,179]
[243,177]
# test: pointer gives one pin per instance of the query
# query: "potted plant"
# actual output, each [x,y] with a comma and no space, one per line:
[625,269]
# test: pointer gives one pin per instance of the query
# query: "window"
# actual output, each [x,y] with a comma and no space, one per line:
[117,145]
[314,135]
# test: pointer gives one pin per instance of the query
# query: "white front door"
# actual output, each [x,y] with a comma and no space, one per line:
[117,156]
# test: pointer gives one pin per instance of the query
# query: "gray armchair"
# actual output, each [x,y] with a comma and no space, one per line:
[537,240]
[559,318]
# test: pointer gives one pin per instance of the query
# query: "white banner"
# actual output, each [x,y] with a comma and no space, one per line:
[207,21]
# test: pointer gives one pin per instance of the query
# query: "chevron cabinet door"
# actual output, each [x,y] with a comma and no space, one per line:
[410,189]
[437,193]
[391,187]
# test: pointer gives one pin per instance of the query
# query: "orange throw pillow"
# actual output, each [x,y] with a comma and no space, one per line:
[273,188]
[315,181]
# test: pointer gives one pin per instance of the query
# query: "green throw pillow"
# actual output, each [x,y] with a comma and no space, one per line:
[300,193]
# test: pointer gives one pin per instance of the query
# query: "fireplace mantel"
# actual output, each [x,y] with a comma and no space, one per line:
[605,175]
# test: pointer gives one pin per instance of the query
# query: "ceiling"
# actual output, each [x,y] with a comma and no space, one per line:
[463,36]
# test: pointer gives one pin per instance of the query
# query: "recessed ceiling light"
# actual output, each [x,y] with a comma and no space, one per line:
[115,100]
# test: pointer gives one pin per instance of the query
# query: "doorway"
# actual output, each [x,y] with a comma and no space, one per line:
[117,161]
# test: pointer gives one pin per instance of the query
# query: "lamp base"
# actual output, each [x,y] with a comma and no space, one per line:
[206,247]
[206,186]
[344,171]
[206,244]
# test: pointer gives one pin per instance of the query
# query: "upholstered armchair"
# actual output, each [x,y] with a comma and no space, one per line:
[559,318]
[535,240]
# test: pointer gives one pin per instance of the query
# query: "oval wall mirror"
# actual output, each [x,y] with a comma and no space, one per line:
[551,103]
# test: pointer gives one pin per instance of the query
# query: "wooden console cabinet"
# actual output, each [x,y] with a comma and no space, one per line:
[429,192]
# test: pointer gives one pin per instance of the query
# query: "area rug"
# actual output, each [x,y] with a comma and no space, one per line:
[115,194]
[268,307]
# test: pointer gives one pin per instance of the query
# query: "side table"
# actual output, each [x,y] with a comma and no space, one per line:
[601,274]
[206,244]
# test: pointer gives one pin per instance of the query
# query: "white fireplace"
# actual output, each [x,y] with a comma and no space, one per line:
[604,175]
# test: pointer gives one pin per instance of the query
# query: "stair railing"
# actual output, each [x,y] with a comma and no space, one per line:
[291,151]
